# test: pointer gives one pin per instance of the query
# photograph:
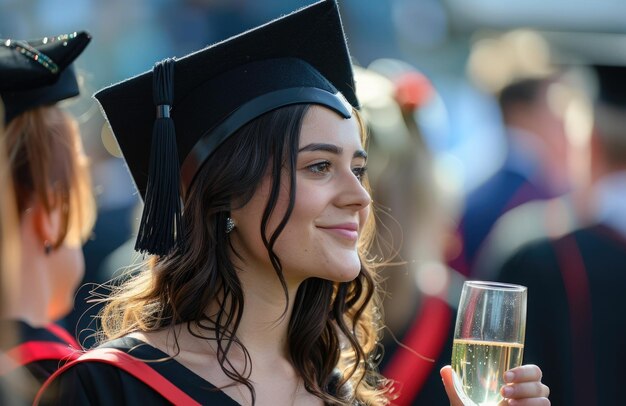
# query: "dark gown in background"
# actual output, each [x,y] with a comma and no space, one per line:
[504,191]
[576,321]
[35,354]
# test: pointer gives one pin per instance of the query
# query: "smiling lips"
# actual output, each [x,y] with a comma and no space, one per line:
[349,231]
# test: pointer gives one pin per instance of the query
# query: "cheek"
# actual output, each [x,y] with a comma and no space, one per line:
[364,217]
[308,206]
[70,265]
[252,213]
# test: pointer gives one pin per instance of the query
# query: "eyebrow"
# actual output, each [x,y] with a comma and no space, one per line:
[334,149]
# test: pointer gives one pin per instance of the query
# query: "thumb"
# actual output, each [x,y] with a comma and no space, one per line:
[454,388]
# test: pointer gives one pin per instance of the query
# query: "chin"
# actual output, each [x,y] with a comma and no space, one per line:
[346,274]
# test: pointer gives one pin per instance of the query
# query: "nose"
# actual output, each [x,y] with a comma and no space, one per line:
[352,193]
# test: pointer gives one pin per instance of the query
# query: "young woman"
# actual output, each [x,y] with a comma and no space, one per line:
[261,291]
[52,191]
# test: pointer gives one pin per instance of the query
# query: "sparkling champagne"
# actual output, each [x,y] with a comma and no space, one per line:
[481,366]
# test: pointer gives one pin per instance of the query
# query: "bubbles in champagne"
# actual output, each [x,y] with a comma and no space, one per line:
[481,366]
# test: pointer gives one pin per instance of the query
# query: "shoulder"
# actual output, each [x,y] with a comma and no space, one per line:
[81,383]
[534,262]
[602,236]
[37,349]
[90,382]
[500,182]
[541,260]
[25,333]
[95,376]
[534,252]
[134,346]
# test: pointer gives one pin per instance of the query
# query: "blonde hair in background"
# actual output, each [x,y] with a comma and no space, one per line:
[498,59]
[48,165]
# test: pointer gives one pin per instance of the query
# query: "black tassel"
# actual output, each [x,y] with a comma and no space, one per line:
[161,226]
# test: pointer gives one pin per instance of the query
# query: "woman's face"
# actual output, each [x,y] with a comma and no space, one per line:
[331,205]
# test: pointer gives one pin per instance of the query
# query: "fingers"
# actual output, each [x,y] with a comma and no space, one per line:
[525,390]
[529,402]
[524,387]
[525,373]
[446,375]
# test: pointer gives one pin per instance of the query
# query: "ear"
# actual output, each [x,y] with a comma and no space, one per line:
[47,224]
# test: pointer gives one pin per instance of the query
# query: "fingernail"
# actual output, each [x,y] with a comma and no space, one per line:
[507,391]
[509,376]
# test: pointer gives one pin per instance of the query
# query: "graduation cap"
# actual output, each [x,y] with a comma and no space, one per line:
[38,72]
[611,85]
[597,54]
[203,98]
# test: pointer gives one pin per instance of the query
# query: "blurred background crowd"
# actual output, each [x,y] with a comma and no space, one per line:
[481,120]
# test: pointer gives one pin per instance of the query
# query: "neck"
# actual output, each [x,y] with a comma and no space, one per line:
[28,296]
[263,331]
[266,313]
[265,321]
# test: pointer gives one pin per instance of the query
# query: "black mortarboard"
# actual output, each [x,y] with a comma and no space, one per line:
[611,85]
[38,72]
[299,58]
[598,53]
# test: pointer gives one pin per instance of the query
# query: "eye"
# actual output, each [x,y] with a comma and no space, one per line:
[320,167]
[360,172]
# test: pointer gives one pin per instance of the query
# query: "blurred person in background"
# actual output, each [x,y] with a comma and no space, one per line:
[514,68]
[554,217]
[576,325]
[410,215]
[9,277]
[535,168]
[52,190]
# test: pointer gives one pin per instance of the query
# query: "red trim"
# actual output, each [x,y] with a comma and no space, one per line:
[427,336]
[63,334]
[576,283]
[32,351]
[132,366]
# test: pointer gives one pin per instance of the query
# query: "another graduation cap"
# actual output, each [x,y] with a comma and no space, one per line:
[38,72]
[598,53]
[203,98]
[611,85]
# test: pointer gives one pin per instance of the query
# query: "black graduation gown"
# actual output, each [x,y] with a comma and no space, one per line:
[576,321]
[51,348]
[94,383]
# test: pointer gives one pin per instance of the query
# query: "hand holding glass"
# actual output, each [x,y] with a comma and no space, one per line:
[488,337]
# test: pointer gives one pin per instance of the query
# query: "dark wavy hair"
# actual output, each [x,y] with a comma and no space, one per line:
[333,325]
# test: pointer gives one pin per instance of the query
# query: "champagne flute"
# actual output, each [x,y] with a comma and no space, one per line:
[488,338]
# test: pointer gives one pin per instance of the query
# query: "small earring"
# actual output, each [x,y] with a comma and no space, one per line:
[47,247]
[230,225]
